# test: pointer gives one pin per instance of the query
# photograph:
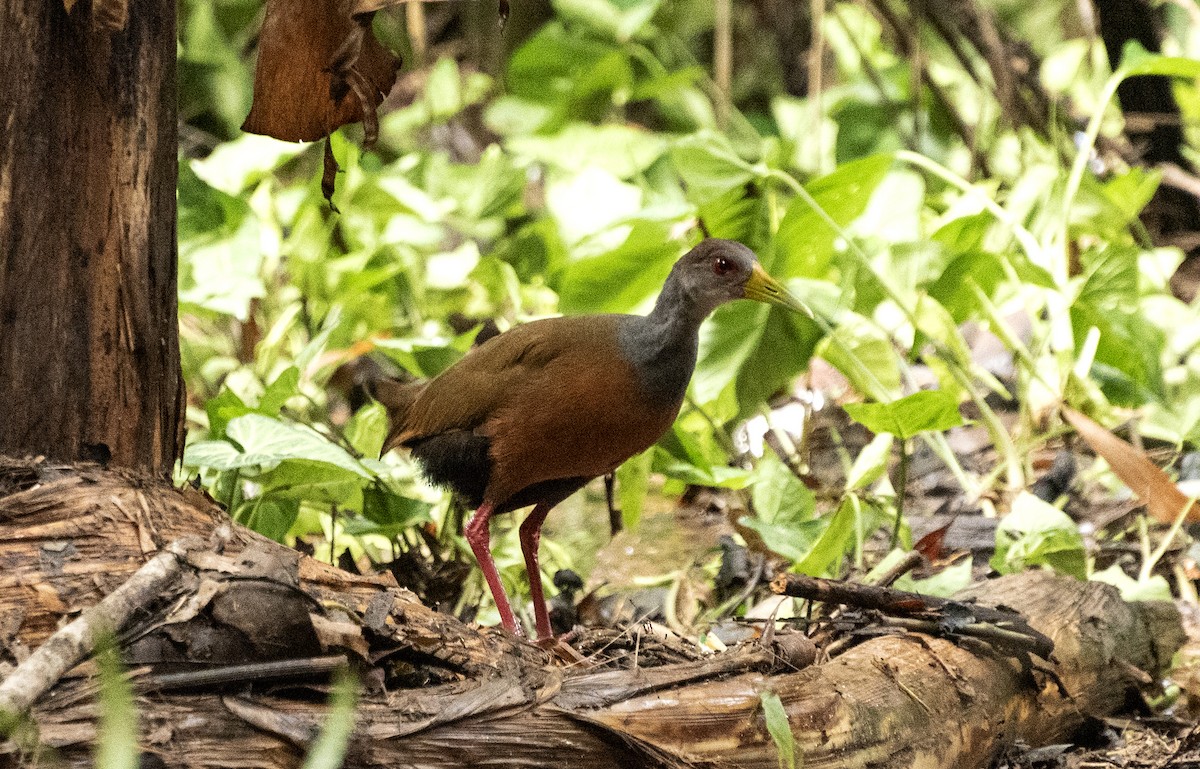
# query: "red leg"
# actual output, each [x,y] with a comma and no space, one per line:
[479,537]
[531,535]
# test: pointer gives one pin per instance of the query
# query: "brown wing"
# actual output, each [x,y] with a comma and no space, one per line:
[578,415]
[464,395]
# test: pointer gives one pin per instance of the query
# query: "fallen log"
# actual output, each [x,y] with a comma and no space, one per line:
[240,645]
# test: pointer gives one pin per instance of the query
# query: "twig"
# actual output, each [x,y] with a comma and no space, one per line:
[723,59]
[75,641]
[1184,743]
[945,616]
[911,560]
[253,671]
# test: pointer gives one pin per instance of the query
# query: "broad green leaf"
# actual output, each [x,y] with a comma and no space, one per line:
[726,340]
[806,243]
[272,517]
[791,531]
[921,412]
[852,519]
[235,165]
[1137,61]
[783,349]
[709,165]
[864,355]
[935,322]
[592,203]
[777,494]
[1035,533]
[216,455]
[266,442]
[384,507]
[307,480]
[426,358]
[443,94]
[619,280]
[678,455]
[953,292]
[222,408]
[1127,363]
[760,348]
[283,387]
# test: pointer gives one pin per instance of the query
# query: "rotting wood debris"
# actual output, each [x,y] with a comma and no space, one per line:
[231,660]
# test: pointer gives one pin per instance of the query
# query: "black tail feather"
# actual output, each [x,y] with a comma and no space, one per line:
[457,460]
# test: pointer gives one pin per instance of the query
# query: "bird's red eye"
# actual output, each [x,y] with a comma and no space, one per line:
[723,266]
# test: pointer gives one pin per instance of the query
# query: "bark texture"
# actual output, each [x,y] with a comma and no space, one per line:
[89,349]
[442,694]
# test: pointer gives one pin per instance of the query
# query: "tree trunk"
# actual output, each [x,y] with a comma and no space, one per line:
[89,348]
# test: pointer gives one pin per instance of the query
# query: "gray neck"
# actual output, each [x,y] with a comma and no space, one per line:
[662,346]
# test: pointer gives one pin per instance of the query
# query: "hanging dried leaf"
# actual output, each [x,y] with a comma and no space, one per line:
[329,175]
[1162,497]
[319,68]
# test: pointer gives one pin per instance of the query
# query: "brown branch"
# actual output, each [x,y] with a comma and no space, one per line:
[951,617]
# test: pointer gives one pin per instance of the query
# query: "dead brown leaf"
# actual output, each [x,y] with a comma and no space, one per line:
[1163,499]
[319,68]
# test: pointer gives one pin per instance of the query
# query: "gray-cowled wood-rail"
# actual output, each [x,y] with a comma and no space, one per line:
[530,416]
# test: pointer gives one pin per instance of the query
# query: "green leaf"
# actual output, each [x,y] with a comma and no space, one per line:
[286,385]
[426,358]
[367,429]
[329,749]
[921,412]
[443,92]
[633,481]
[780,729]
[871,463]
[308,480]
[271,517]
[1035,533]
[222,408]
[805,243]
[384,507]
[619,280]
[1153,589]
[117,732]
[778,495]
[678,455]
[625,151]
[217,455]
[864,355]
[709,165]
[266,442]
[853,521]
[945,583]
[1137,61]
[952,291]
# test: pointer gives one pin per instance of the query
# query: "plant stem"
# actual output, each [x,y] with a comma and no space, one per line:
[901,489]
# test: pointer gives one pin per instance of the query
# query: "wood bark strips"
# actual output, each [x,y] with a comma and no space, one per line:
[87,235]
[76,641]
[442,694]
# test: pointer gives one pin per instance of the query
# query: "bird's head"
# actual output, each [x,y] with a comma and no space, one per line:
[717,271]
